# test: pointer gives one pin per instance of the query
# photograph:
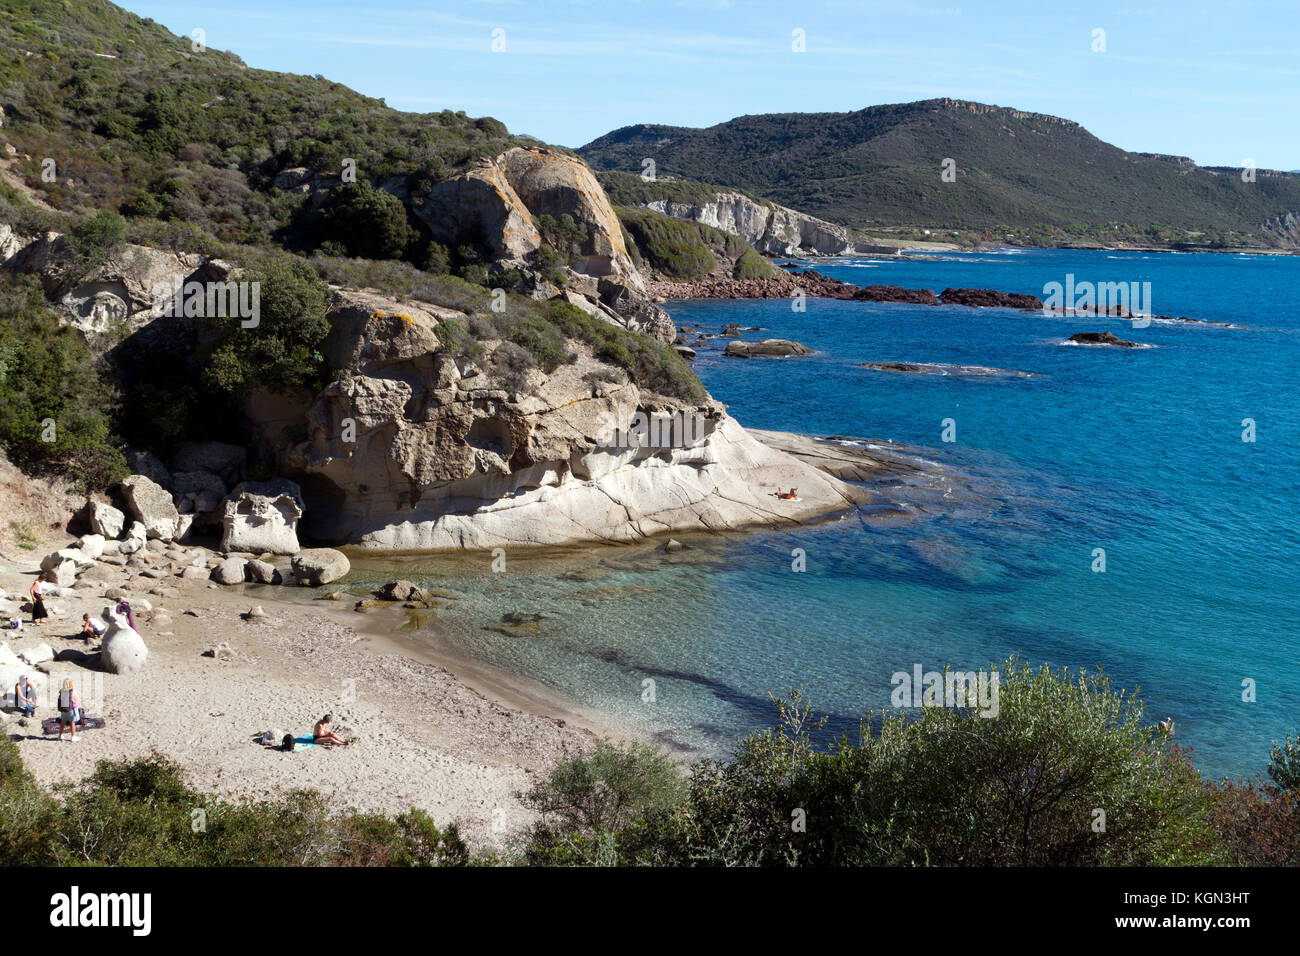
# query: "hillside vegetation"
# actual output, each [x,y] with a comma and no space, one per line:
[1043,177]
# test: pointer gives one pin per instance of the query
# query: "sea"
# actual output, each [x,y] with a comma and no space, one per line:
[1132,511]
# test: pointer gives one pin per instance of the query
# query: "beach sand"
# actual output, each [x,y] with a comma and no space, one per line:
[458,747]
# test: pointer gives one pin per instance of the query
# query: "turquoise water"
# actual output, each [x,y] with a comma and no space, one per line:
[1138,452]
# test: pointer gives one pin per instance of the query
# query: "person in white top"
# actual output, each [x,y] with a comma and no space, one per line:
[92,629]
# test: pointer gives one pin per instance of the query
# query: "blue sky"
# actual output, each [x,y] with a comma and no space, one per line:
[1214,81]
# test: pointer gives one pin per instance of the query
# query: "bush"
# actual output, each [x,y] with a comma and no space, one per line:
[751,265]
[282,352]
[947,787]
[672,246]
[368,222]
[1284,764]
[50,388]
[606,789]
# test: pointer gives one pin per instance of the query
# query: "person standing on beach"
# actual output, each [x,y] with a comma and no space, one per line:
[39,614]
[68,709]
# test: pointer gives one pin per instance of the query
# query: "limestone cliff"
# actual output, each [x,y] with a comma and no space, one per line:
[771,229]
[413,448]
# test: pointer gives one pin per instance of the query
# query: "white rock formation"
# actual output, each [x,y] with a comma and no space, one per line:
[260,523]
[152,507]
[123,650]
[104,518]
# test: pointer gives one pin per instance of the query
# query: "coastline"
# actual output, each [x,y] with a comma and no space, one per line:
[438,730]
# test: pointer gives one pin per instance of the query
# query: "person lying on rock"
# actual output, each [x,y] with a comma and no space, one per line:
[25,696]
[788,495]
[91,629]
[322,734]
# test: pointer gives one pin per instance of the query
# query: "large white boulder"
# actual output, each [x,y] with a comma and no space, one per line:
[63,574]
[134,541]
[104,518]
[123,650]
[78,557]
[229,571]
[91,545]
[152,506]
[317,566]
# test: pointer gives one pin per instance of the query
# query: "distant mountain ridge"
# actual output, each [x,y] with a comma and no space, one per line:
[881,167]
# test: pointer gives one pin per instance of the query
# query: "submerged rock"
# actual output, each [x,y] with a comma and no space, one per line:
[768,348]
[1103,338]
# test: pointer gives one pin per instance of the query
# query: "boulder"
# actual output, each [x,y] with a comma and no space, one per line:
[225,461]
[198,493]
[63,574]
[229,571]
[123,650]
[768,348]
[316,566]
[152,506]
[36,655]
[134,540]
[260,524]
[143,463]
[104,518]
[92,545]
[263,572]
[78,557]
[402,591]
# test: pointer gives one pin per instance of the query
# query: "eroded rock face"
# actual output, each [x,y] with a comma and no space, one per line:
[771,229]
[123,291]
[442,458]
[481,202]
[554,184]
[260,523]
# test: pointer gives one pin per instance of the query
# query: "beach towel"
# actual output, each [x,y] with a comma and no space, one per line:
[50,725]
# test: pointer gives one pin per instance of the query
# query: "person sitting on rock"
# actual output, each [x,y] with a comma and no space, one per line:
[92,629]
[25,696]
[322,734]
[124,607]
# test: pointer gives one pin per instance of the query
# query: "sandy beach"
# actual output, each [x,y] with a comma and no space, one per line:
[426,737]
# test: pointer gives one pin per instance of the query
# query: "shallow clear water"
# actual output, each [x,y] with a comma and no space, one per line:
[1139,452]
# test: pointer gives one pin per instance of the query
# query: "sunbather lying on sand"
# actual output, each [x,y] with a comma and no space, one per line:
[322,734]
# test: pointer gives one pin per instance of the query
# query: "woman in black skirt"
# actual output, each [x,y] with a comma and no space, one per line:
[39,614]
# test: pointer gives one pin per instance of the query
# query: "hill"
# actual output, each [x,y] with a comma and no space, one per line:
[1036,174]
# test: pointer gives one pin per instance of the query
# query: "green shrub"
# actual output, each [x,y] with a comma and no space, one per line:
[673,246]
[50,388]
[368,222]
[1284,764]
[751,265]
[947,787]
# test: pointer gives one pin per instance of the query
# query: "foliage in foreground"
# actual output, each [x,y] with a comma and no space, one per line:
[947,788]
[143,813]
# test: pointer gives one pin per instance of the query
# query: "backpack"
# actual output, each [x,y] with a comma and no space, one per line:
[65,699]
